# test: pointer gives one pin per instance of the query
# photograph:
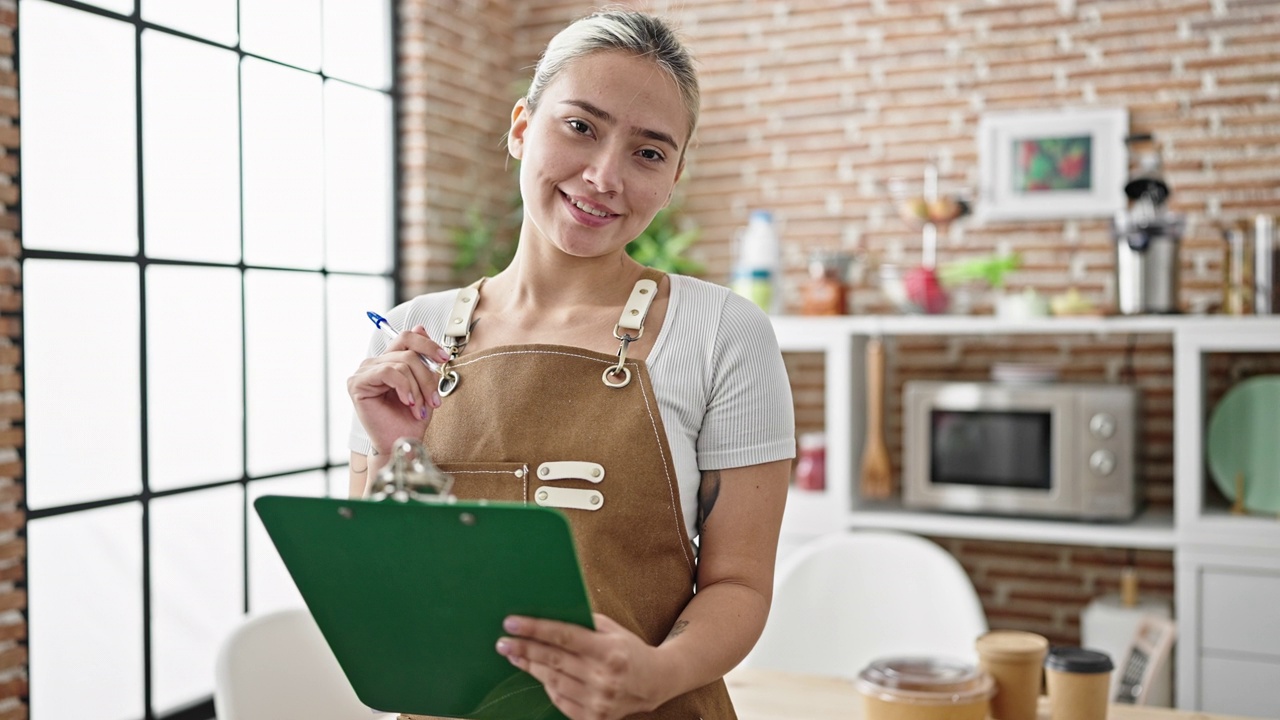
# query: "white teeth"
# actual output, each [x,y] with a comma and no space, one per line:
[586,209]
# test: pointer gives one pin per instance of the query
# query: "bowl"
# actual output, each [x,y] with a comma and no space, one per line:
[924,688]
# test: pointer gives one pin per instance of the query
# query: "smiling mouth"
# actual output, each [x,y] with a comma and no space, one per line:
[586,208]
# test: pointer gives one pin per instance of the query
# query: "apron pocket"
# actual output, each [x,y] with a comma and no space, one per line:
[505,482]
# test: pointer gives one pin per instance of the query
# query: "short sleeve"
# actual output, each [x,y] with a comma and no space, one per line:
[750,418]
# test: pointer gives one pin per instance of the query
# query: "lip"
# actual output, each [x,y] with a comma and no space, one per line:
[584,217]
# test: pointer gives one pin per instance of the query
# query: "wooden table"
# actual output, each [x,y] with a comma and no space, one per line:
[770,695]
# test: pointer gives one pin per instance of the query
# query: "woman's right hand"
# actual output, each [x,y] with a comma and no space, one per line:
[395,393]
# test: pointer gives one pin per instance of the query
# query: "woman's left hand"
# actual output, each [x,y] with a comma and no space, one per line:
[603,674]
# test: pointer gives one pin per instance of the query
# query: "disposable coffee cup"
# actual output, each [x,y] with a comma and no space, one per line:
[1015,660]
[1078,681]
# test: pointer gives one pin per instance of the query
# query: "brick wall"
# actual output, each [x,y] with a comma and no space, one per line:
[810,108]
[13,596]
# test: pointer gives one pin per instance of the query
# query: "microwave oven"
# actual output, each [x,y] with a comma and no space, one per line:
[1053,450]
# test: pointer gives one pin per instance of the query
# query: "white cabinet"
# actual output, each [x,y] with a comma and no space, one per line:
[1228,567]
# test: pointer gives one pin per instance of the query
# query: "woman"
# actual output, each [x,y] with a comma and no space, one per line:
[652,409]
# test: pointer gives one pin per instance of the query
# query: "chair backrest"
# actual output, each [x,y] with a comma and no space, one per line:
[277,666]
[844,600]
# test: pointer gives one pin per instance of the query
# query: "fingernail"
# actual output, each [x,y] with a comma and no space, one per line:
[442,354]
[504,647]
[412,402]
[423,414]
[434,399]
[511,625]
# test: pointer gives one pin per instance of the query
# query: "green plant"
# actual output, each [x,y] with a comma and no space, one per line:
[990,269]
[662,244]
[484,246]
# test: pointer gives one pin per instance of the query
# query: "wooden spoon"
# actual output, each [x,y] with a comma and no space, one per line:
[877,472]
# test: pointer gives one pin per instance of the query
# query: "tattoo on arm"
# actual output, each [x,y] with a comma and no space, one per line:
[679,628]
[708,491]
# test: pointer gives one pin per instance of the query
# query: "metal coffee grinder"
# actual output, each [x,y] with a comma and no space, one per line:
[1147,237]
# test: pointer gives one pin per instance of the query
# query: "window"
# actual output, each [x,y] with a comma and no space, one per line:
[208,212]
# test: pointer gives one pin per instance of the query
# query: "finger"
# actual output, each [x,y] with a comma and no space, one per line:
[567,636]
[418,341]
[394,375]
[533,653]
[571,708]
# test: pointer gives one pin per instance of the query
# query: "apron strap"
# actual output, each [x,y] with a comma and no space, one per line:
[457,333]
[632,318]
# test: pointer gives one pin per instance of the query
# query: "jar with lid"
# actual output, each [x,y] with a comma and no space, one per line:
[811,468]
[825,292]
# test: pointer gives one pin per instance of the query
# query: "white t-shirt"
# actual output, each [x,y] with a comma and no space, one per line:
[717,373]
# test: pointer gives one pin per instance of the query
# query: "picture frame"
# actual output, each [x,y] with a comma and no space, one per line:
[1055,164]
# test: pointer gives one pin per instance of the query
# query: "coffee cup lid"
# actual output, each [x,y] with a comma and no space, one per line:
[925,681]
[1012,645]
[1078,660]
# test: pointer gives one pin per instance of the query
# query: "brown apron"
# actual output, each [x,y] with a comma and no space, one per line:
[553,425]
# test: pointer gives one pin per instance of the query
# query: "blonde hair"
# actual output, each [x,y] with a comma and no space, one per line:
[637,33]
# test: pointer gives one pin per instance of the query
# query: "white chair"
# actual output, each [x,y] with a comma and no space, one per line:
[844,600]
[277,667]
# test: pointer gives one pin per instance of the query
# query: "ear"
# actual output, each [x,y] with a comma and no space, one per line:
[519,125]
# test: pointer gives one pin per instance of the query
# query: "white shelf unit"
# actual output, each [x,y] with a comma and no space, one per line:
[1228,567]
[1213,551]
[842,340]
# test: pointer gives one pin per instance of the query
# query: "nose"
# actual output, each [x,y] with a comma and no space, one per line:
[604,172]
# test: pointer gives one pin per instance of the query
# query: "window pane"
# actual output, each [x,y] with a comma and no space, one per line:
[357,41]
[284,30]
[350,297]
[270,587]
[339,482]
[81,324]
[358,177]
[191,149]
[124,7]
[79,128]
[211,19]
[285,354]
[283,166]
[197,589]
[195,413]
[85,600]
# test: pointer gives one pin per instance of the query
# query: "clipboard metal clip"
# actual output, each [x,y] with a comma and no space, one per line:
[412,476]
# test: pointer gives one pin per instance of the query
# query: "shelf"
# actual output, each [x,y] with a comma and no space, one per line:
[797,332]
[1151,530]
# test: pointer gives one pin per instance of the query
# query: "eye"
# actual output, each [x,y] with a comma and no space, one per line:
[652,155]
[579,126]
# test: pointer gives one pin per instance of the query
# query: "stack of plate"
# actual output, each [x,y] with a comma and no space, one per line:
[1024,373]
[1244,439]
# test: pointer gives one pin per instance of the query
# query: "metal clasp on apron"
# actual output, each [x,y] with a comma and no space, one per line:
[411,475]
[633,315]
[458,333]
[621,369]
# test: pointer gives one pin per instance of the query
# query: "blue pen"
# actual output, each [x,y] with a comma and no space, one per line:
[385,326]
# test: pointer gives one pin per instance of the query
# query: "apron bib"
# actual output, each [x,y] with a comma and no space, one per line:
[580,431]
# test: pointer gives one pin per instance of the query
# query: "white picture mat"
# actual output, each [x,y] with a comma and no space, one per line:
[1109,165]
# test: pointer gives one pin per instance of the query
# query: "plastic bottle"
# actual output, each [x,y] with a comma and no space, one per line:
[755,275]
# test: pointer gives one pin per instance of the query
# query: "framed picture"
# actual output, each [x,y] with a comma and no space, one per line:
[1038,165]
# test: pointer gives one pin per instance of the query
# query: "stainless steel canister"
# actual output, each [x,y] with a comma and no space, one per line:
[1147,263]
[1266,266]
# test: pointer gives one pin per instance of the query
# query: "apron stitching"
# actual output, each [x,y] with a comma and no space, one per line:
[504,697]
[684,550]
[648,408]
[532,352]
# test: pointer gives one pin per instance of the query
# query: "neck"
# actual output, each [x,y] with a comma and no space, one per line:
[546,280]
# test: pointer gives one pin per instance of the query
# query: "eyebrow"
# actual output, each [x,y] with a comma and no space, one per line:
[602,114]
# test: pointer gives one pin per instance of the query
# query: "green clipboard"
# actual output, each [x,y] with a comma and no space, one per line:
[411,596]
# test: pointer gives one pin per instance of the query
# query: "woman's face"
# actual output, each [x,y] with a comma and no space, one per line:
[602,153]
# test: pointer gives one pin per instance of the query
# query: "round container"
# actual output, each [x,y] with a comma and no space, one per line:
[924,688]
[1014,659]
[1078,681]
